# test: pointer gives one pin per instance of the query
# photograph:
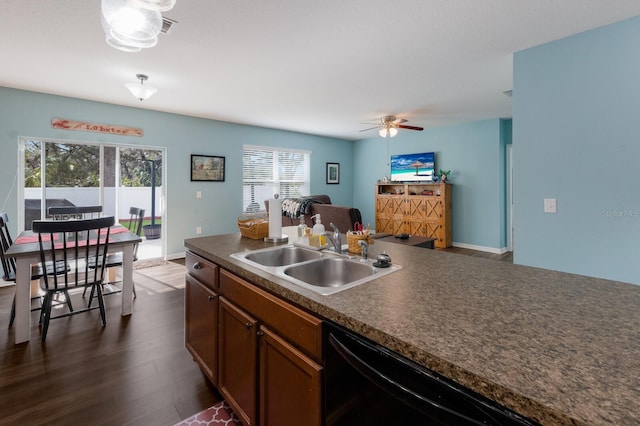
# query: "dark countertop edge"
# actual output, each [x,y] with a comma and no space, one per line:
[513,400]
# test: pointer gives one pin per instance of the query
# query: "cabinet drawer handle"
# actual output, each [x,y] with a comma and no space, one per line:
[197,266]
[248,325]
[212,298]
[260,333]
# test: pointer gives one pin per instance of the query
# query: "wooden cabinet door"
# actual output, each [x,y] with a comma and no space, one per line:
[433,208]
[435,226]
[399,214]
[384,205]
[384,214]
[415,208]
[415,216]
[290,384]
[238,375]
[201,326]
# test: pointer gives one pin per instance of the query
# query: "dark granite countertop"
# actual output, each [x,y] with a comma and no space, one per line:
[556,347]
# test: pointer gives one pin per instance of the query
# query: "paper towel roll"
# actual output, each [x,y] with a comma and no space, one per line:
[275,218]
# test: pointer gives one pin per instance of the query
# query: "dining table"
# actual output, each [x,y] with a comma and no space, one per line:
[26,250]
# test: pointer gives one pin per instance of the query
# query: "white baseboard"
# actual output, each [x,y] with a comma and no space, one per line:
[495,250]
[174,256]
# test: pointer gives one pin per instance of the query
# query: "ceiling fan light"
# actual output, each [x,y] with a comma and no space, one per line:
[388,132]
[157,5]
[141,91]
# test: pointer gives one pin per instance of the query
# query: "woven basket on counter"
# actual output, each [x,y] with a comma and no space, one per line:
[254,228]
[352,241]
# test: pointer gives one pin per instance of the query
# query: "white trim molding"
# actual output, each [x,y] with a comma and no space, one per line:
[481,248]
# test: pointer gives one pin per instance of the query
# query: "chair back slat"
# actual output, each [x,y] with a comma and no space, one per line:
[136,218]
[8,264]
[81,243]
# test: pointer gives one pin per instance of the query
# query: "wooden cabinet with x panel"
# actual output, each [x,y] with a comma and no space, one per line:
[423,210]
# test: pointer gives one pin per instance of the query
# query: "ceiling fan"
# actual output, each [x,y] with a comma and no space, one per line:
[389,125]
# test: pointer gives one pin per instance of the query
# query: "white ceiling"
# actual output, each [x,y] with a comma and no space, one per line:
[319,67]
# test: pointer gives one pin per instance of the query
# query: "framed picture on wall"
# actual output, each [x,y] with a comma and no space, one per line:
[333,173]
[207,168]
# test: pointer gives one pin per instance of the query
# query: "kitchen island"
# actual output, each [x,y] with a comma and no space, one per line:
[558,348]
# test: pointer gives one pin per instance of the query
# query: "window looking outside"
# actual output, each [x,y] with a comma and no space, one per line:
[63,173]
[267,171]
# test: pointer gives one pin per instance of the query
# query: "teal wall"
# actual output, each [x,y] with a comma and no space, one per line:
[474,152]
[25,113]
[574,136]
[576,130]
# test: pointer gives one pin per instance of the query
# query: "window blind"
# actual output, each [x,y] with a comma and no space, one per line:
[267,171]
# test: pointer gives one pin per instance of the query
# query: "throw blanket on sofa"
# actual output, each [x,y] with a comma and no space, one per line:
[294,207]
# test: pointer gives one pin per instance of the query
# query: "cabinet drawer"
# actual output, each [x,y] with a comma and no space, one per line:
[297,326]
[202,269]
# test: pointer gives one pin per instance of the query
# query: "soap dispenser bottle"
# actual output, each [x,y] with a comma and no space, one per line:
[318,229]
[301,227]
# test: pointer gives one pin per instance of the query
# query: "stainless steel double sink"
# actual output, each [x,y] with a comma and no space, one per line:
[324,272]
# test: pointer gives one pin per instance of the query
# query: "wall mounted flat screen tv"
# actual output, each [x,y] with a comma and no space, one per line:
[413,167]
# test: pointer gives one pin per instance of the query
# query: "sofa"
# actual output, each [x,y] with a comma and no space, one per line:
[341,216]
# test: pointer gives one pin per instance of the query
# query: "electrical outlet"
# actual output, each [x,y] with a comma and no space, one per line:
[198,229]
[198,194]
[550,205]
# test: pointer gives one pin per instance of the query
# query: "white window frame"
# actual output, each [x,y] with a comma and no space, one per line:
[271,185]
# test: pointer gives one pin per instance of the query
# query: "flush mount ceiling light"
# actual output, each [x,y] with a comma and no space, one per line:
[158,5]
[141,91]
[128,27]
[125,43]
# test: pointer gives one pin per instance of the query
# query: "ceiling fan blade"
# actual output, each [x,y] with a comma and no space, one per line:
[401,126]
[370,128]
[399,121]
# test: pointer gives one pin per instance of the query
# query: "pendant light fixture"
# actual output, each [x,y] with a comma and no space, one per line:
[141,91]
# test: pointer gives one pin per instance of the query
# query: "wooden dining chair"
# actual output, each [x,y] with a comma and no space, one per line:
[136,217]
[83,245]
[9,270]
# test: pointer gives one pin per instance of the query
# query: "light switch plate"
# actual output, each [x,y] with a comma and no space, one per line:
[198,194]
[550,205]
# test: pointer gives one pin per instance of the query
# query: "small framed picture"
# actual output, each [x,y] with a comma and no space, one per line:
[207,168]
[333,173]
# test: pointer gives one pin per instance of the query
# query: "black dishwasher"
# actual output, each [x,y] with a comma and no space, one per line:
[367,384]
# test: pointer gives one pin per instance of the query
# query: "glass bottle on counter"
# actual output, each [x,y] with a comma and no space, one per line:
[302,227]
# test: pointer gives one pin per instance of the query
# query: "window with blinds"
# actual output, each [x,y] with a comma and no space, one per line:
[267,171]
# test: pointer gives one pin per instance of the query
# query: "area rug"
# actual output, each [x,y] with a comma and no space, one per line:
[219,414]
[150,263]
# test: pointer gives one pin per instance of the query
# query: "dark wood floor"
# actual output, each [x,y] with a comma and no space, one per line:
[135,371]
